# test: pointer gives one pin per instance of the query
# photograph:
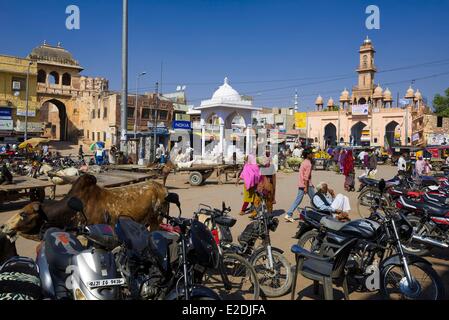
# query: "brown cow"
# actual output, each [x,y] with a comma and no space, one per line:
[143,202]
[165,169]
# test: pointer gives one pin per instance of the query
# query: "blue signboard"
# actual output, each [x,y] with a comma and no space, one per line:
[5,113]
[182,125]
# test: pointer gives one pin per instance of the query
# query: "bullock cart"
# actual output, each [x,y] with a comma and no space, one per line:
[118,178]
[26,187]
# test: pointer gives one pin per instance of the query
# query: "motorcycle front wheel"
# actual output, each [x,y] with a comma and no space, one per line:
[420,229]
[276,281]
[242,278]
[427,284]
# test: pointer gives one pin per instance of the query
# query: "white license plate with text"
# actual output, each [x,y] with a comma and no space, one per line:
[106,283]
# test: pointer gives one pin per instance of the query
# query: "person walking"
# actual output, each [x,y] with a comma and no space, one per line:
[348,171]
[402,164]
[305,184]
[372,164]
[81,152]
[341,160]
[251,176]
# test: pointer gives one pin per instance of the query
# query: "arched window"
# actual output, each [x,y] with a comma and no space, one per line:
[54,78]
[66,79]
[41,76]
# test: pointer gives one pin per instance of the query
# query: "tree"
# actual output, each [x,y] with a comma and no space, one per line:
[441,104]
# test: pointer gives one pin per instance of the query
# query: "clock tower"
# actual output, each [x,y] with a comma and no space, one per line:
[363,91]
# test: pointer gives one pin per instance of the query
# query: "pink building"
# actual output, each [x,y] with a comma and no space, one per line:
[367,116]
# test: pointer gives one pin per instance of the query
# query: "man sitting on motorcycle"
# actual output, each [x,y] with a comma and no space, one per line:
[326,200]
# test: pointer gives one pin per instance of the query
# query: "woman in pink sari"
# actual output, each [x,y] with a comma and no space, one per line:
[250,175]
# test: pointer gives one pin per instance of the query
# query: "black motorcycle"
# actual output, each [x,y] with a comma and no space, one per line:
[240,281]
[164,264]
[377,261]
[273,269]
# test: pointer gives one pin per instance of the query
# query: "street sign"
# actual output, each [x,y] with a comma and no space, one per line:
[182,125]
[5,113]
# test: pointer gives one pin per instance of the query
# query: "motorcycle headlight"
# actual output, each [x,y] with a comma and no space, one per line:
[273,224]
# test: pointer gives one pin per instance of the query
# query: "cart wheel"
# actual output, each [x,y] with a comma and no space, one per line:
[37,195]
[196,178]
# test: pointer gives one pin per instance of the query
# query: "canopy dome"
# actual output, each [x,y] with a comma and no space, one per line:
[53,55]
[418,95]
[410,93]
[387,95]
[319,100]
[345,96]
[378,92]
[330,102]
[226,93]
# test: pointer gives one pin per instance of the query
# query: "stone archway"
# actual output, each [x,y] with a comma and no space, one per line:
[59,121]
[235,119]
[330,135]
[356,133]
[390,130]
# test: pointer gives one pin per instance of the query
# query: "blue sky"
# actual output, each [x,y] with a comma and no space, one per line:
[266,48]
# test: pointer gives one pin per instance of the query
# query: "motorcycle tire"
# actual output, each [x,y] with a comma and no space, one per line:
[412,247]
[368,203]
[240,273]
[308,241]
[437,284]
[268,281]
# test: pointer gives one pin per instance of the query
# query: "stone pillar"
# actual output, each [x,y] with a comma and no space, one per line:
[248,139]
[222,139]
[203,139]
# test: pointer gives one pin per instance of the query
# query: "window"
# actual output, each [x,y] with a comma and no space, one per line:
[93,136]
[104,136]
[41,76]
[87,135]
[163,115]
[439,122]
[131,112]
[93,114]
[146,113]
[98,136]
[54,78]
[98,111]
[375,140]
[66,79]
[18,84]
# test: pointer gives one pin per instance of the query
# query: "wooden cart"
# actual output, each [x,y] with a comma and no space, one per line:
[23,186]
[198,174]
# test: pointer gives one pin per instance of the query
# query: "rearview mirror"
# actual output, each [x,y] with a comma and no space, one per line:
[382,185]
[75,204]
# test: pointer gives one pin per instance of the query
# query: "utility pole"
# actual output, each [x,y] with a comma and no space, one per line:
[155,120]
[124,100]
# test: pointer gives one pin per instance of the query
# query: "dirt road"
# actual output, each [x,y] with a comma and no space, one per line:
[213,194]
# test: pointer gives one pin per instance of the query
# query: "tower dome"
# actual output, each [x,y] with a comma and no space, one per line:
[319,101]
[367,40]
[226,93]
[330,102]
[410,93]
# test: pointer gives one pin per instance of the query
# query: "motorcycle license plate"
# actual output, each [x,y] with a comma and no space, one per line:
[106,283]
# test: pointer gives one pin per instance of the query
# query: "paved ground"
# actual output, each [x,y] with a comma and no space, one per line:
[213,194]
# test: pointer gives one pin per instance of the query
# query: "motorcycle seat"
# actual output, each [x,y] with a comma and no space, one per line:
[133,234]
[60,247]
[430,207]
[332,224]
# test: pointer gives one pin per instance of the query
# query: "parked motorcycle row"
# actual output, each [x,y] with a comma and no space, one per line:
[188,259]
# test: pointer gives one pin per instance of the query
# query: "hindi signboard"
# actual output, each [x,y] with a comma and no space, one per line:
[300,120]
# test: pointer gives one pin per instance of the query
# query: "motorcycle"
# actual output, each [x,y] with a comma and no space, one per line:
[273,269]
[377,262]
[164,264]
[235,271]
[430,221]
[70,270]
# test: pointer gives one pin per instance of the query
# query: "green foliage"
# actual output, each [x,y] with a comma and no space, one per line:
[441,104]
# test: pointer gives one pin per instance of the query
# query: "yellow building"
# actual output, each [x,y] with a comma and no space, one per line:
[13,79]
